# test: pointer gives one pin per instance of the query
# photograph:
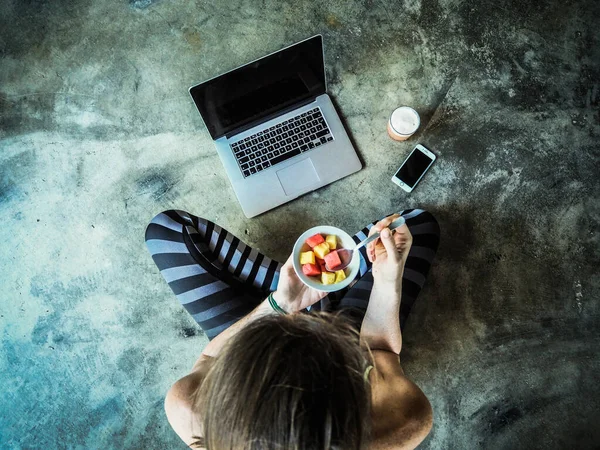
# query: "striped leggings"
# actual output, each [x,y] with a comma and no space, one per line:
[218,279]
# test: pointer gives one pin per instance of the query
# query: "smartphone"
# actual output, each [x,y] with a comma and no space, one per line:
[413,168]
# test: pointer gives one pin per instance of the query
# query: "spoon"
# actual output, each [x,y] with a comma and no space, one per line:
[345,254]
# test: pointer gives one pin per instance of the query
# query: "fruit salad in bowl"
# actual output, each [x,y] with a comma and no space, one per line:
[315,258]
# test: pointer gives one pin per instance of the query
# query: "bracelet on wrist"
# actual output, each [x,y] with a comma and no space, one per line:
[274,304]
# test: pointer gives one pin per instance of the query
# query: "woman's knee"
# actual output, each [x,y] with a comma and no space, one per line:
[427,217]
[166,222]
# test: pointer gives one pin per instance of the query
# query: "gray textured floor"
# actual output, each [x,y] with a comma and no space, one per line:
[98,134]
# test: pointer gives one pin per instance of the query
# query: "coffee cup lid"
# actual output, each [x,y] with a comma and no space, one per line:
[405,120]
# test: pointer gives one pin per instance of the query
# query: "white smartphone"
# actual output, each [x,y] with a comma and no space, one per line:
[413,168]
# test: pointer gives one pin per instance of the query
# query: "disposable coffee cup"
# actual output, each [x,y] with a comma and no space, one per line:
[403,123]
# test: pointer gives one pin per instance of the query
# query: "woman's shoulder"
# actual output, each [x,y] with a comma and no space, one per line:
[401,413]
[179,403]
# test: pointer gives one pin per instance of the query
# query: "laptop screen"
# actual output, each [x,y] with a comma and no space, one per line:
[261,88]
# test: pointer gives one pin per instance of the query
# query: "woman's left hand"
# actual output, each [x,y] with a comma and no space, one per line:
[292,294]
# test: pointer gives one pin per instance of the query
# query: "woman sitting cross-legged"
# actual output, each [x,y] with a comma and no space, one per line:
[277,374]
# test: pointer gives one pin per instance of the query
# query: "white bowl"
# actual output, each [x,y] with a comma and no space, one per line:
[346,241]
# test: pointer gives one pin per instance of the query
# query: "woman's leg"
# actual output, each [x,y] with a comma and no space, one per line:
[426,237]
[217,278]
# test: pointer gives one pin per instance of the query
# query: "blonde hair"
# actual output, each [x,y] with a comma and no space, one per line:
[292,382]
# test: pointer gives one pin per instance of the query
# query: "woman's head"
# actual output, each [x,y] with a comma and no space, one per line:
[288,382]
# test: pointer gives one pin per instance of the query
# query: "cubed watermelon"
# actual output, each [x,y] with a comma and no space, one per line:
[311,270]
[315,240]
[333,260]
[321,250]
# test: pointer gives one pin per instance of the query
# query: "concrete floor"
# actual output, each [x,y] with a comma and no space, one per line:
[98,134]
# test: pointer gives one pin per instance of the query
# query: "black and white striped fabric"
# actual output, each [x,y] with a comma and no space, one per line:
[218,279]
[425,231]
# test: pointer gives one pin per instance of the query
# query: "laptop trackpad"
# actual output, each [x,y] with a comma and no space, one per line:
[298,178]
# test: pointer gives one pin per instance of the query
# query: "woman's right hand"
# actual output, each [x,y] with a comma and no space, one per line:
[388,253]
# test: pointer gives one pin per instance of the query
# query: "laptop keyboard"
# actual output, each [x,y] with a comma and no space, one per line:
[282,141]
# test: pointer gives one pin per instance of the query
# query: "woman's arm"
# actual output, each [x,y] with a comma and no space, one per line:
[401,414]
[381,325]
[291,295]
[179,403]
[214,347]
[179,400]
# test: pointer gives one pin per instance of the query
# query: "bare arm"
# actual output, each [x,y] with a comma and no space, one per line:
[381,325]
[401,414]
[214,347]
[179,403]
[291,295]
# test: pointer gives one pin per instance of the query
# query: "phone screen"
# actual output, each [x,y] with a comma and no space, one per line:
[413,168]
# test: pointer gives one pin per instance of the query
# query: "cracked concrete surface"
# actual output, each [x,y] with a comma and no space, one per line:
[98,134]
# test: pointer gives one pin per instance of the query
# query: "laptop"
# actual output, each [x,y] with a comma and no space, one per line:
[275,128]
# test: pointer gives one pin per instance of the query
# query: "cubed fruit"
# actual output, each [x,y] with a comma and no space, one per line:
[307,258]
[310,270]
[331,241]
[340,275]
[321,264]
[315,240]
[333,260]
[327,277]
[321,250]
